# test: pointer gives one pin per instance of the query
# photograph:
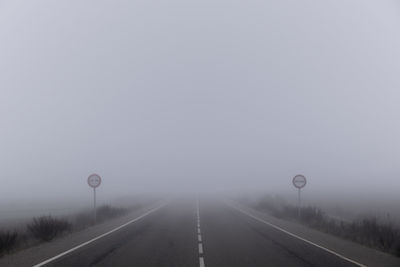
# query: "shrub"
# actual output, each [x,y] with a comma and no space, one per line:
[312,216]
[371,232]
[8,240]
[83,220]
[397,248]
[46,228]
[367,231]
[309,215]
[104,212]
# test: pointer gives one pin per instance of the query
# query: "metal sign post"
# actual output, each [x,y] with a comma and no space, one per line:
[94,181]
[94,205]
[299,181]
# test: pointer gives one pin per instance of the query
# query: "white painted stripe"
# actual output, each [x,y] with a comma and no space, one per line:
[298,237]
[201,260]
[98,237]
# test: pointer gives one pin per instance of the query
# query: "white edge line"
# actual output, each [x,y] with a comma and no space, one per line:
[298,237]
[98,237]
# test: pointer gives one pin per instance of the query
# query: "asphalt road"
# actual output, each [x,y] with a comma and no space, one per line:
[208,234]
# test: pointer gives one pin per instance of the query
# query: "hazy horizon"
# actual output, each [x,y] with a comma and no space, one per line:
[190,96]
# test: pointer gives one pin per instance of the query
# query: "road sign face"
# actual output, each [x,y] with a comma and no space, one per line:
[299,181]
[94,180]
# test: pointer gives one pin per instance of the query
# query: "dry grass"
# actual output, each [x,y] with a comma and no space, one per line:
[46,228]
[8,241]
[369,231]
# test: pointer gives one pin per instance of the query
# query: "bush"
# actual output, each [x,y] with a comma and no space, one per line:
[46,228]
[104,212]
[371,232]
[83,220]
[8,240]
[309,215]
[367,231]
[397,248]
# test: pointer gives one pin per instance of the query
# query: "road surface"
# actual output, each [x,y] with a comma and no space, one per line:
[198,233]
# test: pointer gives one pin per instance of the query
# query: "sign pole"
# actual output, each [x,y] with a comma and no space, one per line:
[299,205]
[299,181]
[94,204]
[94,181]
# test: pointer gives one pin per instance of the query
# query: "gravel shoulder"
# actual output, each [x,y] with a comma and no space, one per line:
[349,249]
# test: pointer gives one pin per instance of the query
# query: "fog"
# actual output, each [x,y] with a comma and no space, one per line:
[199,96]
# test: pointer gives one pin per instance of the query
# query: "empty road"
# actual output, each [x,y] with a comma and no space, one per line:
[198,233]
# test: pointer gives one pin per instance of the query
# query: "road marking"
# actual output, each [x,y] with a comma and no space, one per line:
[298,237]
[201,259]
[98,237]
[199,238]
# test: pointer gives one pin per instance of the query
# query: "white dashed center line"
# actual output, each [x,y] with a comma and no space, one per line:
[202,262]
[200,248]
[199,238]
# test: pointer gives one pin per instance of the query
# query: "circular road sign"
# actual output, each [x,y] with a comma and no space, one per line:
[299,181]
[94,180]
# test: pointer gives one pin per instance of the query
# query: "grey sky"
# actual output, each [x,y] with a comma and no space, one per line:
[209,95]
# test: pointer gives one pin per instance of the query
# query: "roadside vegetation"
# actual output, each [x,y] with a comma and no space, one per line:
[47,228]
[8,241]
[85,219]
[368,231]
